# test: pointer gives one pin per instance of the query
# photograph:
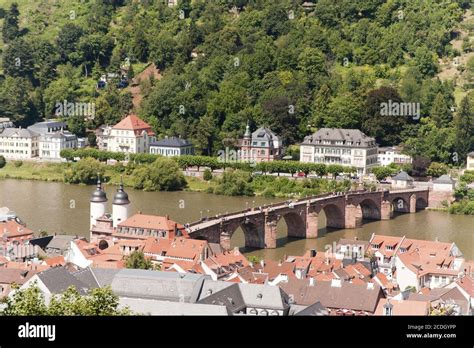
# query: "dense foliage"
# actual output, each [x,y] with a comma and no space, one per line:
[224,63]
[31,302]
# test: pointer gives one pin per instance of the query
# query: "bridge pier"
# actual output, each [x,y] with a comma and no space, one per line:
[353,216]
[225,241]
[301,217]
[270,232]
[312,223]
[412,203]
[386,210]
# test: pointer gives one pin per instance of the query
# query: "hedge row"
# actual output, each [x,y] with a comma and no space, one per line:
[213,163]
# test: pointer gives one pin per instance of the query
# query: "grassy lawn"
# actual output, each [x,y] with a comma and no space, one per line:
[197,185]
[33,171]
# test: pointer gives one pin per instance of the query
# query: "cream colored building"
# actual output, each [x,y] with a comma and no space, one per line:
[346,147]
[51,144]
[131,135]
[18,143]
[470,161]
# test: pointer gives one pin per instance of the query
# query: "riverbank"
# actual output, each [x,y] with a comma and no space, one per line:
[237,183]
[54,172]
[67,211]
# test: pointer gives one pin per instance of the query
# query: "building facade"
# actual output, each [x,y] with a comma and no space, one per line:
[18,143]
[131,135]
[48,126]
[389,155]
[170,147]
[102,137]
[470,161]
[51,144]
[346,147]
[263,145]
[5,123]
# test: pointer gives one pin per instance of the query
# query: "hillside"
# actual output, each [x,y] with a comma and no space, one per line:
[221,64]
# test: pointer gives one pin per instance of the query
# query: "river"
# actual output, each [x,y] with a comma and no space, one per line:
[61,208]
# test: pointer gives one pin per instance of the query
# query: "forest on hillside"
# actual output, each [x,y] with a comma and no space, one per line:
[224,63]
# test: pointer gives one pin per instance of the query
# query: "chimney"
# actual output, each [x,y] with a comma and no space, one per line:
[167,217]
[262,263]
[336,283]
[311,281]
[370,286]
[312,253]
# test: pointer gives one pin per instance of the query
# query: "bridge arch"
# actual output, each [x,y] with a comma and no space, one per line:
[253,233]
[334,216]
[370,210]
[421,203]
[400,204]
[295,223]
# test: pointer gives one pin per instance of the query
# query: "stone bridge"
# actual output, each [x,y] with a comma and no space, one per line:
[301,216]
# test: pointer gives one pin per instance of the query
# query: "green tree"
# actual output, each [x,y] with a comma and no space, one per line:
[11,29]
[344,111]
[137,260]
[3,162]
[464,128]
[67,42]
[437,169]
[386,128]
[381,173]
[18,60]
[425,61]
[29,301]
[16,102]
[162,175]
[84,172]
[206,176]
[440,112]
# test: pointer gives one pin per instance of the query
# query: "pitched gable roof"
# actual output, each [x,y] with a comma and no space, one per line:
[133,122]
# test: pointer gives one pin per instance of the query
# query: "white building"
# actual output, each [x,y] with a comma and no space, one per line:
[51,144]
[48,126]
[470,161]
[131,135]
[389,155]
[102,137]
[18,143]
[5,123]
[444,183]
[402,181]
[170,147]
[52,138]
[347,147]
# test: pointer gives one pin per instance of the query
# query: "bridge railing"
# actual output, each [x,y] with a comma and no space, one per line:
[300,200]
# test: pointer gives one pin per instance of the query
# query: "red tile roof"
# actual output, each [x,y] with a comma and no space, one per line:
[55,261]
[467,283]
[133,122]
[152,222]
[13,229]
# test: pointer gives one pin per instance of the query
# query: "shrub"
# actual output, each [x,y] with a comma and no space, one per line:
[207,175]
[3,162]
[17,164]
[162,175]
[84,172]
